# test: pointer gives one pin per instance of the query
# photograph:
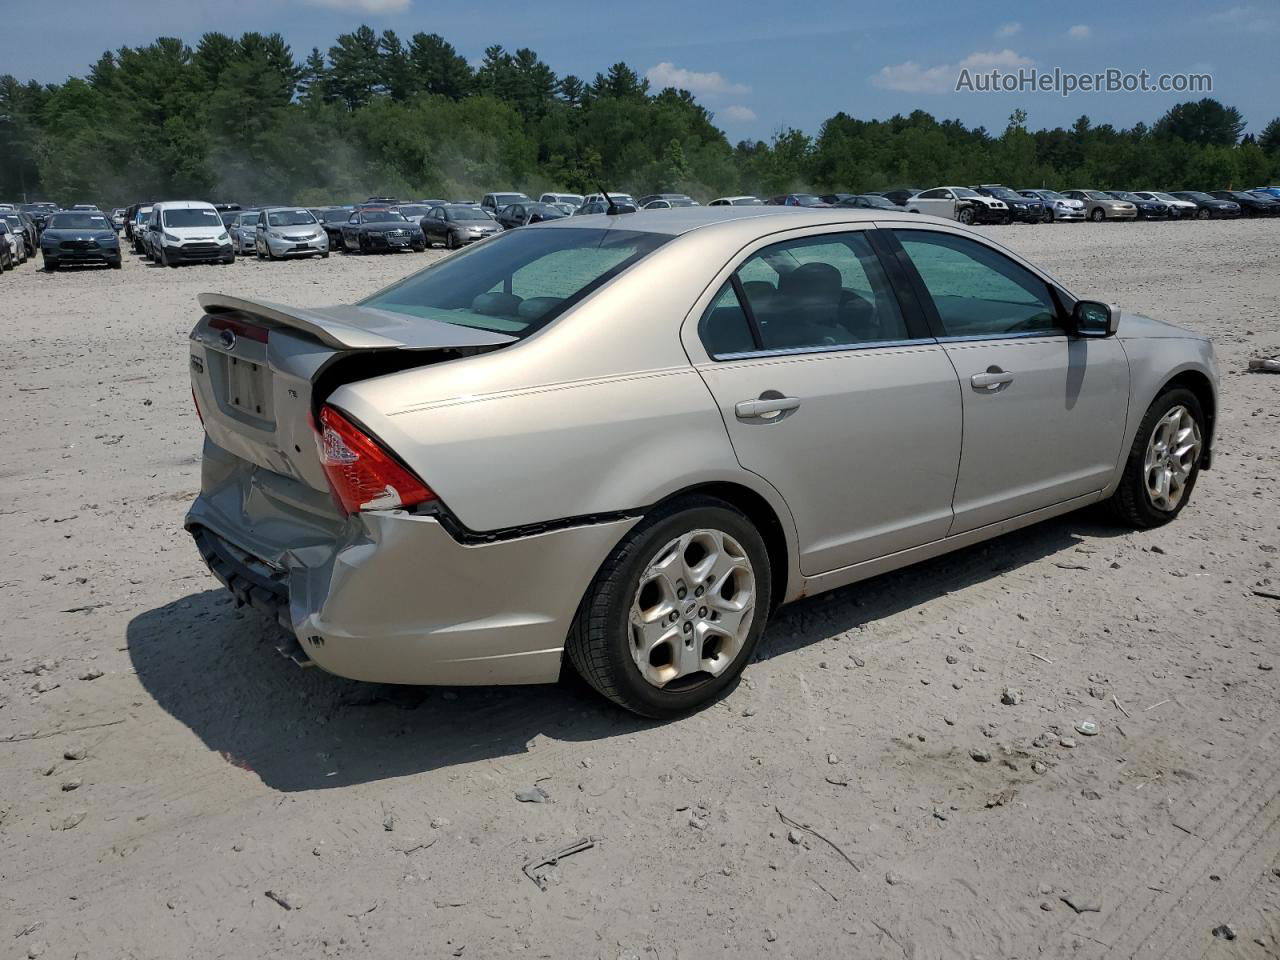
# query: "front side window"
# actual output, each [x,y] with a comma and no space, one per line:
[816,293]
[520,281]
[977,291]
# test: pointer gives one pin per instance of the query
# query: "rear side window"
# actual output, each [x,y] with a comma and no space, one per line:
[977,291]
[816,293]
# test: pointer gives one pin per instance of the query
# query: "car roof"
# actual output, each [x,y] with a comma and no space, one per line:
[183,205]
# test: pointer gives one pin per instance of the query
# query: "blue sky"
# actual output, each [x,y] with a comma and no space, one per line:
[758,65]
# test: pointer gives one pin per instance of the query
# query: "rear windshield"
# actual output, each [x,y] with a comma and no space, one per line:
[78,221]
[290,218]
[191,217]
[520,281]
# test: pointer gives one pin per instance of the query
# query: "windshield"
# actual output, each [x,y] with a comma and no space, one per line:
[506,199]
[1048,194]
[518,282]
[876,201]
[1004,193]
[1126,195]
[337,213]
[290,218]
[466,213]
[1096,195]
[191,217]
[78,221]
[142,215]
[1167,197]
[1197,195]
[747,202]
[965,193]
[415,212]
[806,199]
[379,216]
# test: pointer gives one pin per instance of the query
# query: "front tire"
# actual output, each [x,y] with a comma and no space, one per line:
[1164,463]
[1096,215]
[965,216]
[673,616]
[1202,214]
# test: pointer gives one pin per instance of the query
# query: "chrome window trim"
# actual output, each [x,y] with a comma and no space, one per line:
[827,348]
[1056,334]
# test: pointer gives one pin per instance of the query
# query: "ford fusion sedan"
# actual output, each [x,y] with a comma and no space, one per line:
[1147,209]
[371,229]
[1099,206]
[1209,207]
[1056,206]
[286,232]
[456,225]
[1179,209]
[1251,205]
[79,237]
[618,444]
[959,203]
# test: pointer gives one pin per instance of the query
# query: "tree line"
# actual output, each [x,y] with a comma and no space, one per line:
[245,119]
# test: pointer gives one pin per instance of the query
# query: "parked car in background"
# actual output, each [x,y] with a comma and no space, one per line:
[455,225]
[243,229]
[901,195]
[1272,191]
[743,201]
[1099,206]
[959,203]
[1185,209]
[187,231]
[523,214]
[1251,205]
[1021,209]
[38,211]
[136,229]
[12,249]
[654,201]
[372,229]
[867,201]
[835,198]
[117,218]
[86,207]
[332,219]
[618,197]
[1056,206]
[574,200]
[25,227]
[282,233]
[590,206]
[8,247]
[1147,209]
[414,212]
[796,200]
[79,236]
[776,347]
[493,202]
[1208,207]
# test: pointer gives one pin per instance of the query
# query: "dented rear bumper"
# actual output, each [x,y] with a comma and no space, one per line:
[390,596]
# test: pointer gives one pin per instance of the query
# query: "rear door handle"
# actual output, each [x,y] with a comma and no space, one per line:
[991,381]
[751,409]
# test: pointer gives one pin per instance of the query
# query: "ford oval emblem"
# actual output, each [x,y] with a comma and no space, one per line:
[228,339]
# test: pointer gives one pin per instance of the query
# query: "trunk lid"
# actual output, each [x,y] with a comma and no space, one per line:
[260,370]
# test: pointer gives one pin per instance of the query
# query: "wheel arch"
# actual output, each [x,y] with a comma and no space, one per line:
[1199,384]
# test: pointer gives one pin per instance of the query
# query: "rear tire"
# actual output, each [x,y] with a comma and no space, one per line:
[1133,502]
[603,642]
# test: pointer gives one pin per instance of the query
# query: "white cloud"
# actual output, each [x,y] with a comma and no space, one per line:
[1080,31]
[1008,30]
[911,77]
[363,6]
[738,113]
[667,74]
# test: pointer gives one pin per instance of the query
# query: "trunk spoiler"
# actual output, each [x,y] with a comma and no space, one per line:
[357,328]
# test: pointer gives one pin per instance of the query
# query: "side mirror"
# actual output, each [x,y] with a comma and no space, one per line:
[1092,318]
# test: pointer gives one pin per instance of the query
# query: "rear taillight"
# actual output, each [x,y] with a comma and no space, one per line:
[362,474]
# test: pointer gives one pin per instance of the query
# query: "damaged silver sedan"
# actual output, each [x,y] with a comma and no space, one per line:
[620,442]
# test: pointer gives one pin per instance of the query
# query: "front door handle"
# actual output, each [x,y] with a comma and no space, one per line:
[991,381]
[764,407]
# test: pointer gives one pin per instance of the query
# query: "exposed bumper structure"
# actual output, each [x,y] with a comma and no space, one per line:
[393,597]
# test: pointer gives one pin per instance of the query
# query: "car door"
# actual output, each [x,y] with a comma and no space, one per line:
[938,203]
[833,392]
[1044,412]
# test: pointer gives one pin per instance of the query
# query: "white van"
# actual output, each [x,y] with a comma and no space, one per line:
[187,231]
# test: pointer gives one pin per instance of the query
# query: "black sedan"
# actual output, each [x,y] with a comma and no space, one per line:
[457,224]
[1251,204]
[866,201]
[1021,209]
[380,228]
[79,237]
[1208,207]
[522,214]
[1147,209]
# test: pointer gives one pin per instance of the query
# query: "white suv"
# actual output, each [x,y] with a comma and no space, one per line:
[187,231]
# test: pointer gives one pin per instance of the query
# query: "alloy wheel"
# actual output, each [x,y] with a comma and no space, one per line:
[693,609]
[1171,456]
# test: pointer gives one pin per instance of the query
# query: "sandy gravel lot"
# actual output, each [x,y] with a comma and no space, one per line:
[171,787]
